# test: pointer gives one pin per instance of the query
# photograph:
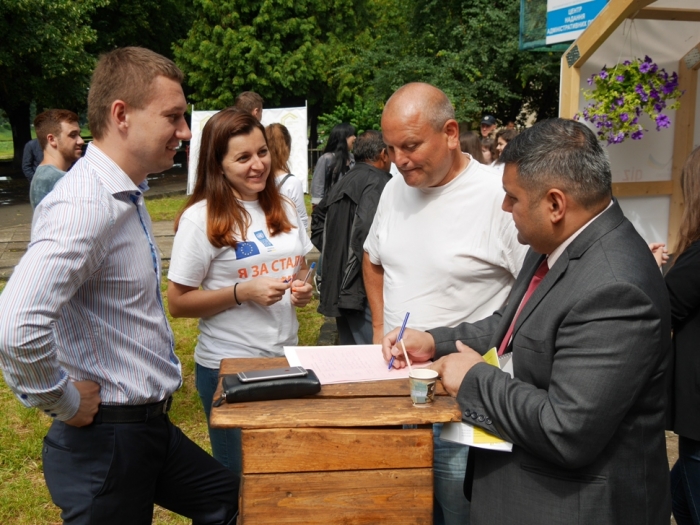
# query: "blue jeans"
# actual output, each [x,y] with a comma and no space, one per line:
[449,465]
[685,483]
[355,326]
[225,443]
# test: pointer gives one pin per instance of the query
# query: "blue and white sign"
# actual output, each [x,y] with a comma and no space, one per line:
[566,19]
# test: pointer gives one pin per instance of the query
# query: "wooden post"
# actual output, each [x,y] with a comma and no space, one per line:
[684,132]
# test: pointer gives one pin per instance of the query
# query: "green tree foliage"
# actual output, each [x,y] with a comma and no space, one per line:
[363,115]
[468,48]
[281,49]
[43,58]
[49,49]
[154,24]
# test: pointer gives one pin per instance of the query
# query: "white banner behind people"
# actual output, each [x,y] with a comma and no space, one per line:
[293,118]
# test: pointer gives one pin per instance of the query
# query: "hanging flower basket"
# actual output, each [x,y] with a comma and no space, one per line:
[623,93]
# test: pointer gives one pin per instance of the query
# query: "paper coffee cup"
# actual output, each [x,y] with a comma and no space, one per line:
[422,385]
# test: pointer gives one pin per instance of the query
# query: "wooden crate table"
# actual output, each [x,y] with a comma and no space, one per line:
[340,456]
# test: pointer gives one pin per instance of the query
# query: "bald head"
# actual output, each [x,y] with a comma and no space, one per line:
[419,99]
[422,136]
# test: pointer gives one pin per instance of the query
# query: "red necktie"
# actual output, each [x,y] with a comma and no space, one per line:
[534,283]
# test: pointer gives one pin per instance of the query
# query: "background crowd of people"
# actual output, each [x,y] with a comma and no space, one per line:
[491,239]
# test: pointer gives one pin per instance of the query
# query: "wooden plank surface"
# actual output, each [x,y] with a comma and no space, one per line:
[642,189]
[334,412]
[402,496]
[672,14]
[398,387]
[324,449]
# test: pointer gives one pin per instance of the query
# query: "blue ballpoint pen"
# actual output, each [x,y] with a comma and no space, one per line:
[403,327]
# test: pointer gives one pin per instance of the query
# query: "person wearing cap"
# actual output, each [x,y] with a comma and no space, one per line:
[488,125]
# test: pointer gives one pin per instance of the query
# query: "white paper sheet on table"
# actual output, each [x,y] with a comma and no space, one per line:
[345,364]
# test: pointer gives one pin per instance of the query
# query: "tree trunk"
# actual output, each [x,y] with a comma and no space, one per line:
[314,110]
[21,134]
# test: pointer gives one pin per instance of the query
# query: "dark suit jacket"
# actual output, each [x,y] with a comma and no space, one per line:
[683,283]
[585,409]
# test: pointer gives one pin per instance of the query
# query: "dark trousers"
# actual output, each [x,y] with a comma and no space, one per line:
[685,482]
[354,326]
[113,474]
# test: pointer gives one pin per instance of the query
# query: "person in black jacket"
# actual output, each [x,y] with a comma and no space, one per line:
[683,283]
[339,226]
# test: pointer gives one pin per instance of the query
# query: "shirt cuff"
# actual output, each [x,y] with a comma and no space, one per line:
[67,406]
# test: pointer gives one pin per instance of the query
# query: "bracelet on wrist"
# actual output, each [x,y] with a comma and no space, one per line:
[235,296]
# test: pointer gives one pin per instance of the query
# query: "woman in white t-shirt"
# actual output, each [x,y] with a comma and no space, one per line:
[237,261]
[280,143]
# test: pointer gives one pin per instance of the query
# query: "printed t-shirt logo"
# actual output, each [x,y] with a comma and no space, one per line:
[246,249]
[260,235]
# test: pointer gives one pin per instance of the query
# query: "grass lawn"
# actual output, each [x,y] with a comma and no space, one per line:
[24,499]
[165,209]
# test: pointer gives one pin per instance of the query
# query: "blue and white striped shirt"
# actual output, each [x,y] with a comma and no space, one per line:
[84,302]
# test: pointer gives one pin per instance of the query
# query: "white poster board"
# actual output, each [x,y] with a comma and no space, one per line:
[293,118]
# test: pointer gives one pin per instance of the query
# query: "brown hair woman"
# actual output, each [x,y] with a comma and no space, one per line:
[237,261]
[280,143]
[683,283]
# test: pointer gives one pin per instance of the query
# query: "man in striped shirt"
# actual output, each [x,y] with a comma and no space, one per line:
[83,333]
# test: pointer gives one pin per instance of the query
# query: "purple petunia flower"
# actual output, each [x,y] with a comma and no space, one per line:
[576,117]
[635,120]
[647,59]
[639,89]
[669,87]
[662,121]
[620,101]
[590,81]
[637,135]
[654,94]
[644,67]
[620,78]
[624,117]
[659,106]
[626,63]
[603,75]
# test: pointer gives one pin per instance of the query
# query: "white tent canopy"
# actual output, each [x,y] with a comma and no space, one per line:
[646,172]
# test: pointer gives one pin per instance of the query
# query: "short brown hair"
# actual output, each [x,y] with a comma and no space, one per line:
[49,123]
[248,101]
[125,74]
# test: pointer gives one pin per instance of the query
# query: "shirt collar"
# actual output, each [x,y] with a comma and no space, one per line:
[552,257]
[112,176]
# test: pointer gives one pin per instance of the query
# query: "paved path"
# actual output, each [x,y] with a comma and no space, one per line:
[15,225]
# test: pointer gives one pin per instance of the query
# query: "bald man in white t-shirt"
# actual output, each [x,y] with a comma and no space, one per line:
[440,246]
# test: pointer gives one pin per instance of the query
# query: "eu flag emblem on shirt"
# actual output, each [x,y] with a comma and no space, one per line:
[246,249]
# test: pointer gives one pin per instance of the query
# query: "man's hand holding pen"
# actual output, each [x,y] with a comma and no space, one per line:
[420,347]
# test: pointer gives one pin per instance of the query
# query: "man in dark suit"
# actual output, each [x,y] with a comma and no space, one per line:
[588,325]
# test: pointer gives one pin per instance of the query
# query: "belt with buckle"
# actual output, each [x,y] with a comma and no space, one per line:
[132,413]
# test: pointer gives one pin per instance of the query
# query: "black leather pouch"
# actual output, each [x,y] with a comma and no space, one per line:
[234,391]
